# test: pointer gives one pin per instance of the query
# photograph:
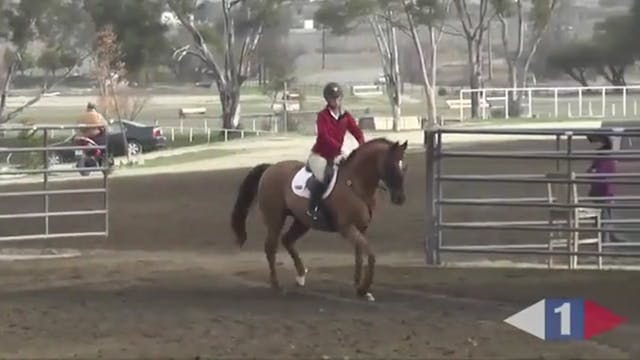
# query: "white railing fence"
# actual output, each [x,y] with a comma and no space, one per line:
[551,102]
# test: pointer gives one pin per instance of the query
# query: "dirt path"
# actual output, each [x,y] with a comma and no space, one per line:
[187,305]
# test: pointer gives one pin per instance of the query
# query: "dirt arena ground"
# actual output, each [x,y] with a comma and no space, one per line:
[170,282]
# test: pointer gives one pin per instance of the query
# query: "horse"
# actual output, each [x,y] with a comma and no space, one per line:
[347,207]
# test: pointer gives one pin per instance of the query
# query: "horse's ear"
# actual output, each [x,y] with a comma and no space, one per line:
[404,145]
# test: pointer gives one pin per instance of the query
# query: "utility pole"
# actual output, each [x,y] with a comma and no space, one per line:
[324,42]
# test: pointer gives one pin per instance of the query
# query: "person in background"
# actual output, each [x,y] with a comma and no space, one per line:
[602,188]
[93,118]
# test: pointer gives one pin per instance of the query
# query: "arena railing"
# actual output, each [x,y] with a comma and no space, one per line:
[436,201]
[46,193]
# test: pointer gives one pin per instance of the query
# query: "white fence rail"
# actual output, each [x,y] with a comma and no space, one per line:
[553,102]
[9,214]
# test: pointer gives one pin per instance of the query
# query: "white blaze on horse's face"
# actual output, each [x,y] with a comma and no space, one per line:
[400,165]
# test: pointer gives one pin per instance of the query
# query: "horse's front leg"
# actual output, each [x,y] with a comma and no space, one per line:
[361,245]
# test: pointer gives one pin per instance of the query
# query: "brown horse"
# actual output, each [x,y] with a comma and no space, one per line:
[347,207]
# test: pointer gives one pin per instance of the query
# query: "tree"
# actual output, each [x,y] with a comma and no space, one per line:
[385,18]
[616,43]
[528,35]
[22,23]
[433,14]
[575,60]
[109,71]
[344,17]
[243,25]
[474,22]
[139,29]
[49,60]
[274,53]
[611,50]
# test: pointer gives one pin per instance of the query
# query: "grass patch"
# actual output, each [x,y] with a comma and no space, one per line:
[187,157]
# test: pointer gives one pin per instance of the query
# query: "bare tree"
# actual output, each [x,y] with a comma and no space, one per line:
[26,22]
[387,43]
[475,22]
[238,47]
[409,9]
[529,33]
[436,24]
[109,71]
[5,86]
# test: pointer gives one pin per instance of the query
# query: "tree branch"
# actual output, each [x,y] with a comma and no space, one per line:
[45,88]
[395,23]
[199,42]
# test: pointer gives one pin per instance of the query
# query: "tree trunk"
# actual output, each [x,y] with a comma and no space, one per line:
[387,44]
[229,100]
[428,88]
[434,57]
[475,74]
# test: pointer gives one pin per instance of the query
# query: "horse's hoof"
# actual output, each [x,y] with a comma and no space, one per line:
[300,280]
[366,295]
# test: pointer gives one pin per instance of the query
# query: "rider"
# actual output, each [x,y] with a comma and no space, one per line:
[93,118]
[331,125]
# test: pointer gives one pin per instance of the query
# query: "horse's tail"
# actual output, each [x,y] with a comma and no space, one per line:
[246,196]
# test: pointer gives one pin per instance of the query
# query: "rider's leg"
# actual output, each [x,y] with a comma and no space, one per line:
[317,164]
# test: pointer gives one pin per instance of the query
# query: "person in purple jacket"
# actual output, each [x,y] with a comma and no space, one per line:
[603,188]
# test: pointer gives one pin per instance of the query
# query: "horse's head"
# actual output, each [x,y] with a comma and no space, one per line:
[380,160]
[392,169]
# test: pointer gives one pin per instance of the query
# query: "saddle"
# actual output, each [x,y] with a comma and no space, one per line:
[313,183]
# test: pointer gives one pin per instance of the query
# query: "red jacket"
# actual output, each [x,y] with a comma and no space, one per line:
[331,131]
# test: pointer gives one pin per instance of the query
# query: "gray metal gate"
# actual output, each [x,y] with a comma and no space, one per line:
[25,153]
[436,243]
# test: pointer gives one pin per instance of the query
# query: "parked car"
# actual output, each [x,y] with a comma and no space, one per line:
[140,138]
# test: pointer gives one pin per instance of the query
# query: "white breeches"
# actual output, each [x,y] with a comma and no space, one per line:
[317,165]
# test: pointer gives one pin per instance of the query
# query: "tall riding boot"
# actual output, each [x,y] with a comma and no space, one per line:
[314,199]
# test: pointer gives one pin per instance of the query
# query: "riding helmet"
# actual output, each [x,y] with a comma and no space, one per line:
[332,91]
[91,106]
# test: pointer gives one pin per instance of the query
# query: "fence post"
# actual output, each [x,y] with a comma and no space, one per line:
[431,241]
[555,102]
[530,104]
[461,107]
[580,102]
[45,182]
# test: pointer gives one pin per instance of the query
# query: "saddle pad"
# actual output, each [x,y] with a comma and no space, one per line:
[299,183]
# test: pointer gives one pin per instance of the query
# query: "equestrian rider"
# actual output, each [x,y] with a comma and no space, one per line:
[331,126]
[91,117]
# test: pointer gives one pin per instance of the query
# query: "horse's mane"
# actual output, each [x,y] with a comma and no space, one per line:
[353,154]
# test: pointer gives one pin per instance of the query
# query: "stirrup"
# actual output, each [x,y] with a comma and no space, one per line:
[313,213]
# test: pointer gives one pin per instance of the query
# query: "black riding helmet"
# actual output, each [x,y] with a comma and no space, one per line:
[332,91]
[600,138]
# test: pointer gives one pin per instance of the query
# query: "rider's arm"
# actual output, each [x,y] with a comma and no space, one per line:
[353,128]
[323,134]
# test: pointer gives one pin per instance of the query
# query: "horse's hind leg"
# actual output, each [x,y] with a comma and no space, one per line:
[357,273]
[271,248]
[296,231]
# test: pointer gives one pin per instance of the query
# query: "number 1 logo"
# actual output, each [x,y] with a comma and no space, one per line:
[564,319]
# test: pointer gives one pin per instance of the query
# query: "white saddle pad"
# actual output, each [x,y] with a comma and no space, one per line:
[299,183]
